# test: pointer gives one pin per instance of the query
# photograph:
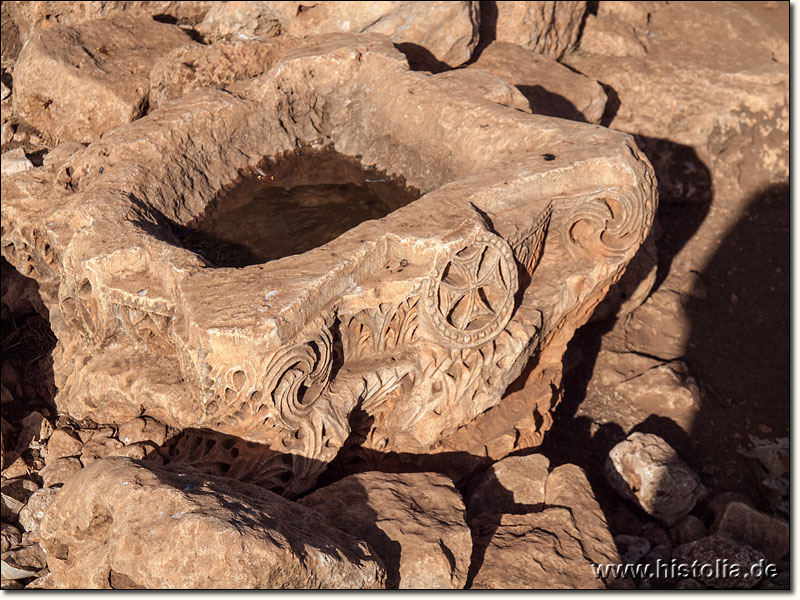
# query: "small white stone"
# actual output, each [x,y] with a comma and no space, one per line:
[14,161]
[7,133]
[4,91]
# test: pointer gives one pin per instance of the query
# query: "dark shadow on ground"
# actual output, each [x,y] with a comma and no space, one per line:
[27,361]
[738,346]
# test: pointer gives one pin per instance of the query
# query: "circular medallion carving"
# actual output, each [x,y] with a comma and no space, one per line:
[471,298]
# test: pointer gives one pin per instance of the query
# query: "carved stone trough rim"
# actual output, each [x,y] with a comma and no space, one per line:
[592,181]
[107,193]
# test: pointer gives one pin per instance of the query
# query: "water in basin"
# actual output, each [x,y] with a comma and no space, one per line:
[291,205]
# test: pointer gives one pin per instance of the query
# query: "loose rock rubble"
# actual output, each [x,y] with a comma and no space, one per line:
[648,471]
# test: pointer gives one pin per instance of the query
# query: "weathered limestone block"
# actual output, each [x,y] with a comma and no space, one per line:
[241,20]
[218,65]
[119,524]
[540,550]
[551,88]
[549,28]
[413,521]
[418,321]
[666,389]
[30,16]
[647,471]
[75,83]
[30,517]
[142,429]
[512,485]
[698,93]
[59,470]
[446,30]
[660,327]
[61,153]
[9,536]
[546,532]
[15,161]
[568,486]
[610,36]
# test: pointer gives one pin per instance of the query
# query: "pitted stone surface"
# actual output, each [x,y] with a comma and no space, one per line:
[218,65]
[102,80]
[549,28]
[44,14]
[119,524]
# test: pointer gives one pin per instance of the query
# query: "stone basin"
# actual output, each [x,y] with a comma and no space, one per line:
[404,330]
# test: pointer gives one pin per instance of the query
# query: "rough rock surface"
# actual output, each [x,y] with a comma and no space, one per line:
[142,429]
[23,561]
[561,529]
[743,523]
[38,14]
[487,85]
[63,443]
[446,30]
[59,470]
[568,486]
[647,471]
[710,94]
[550,87]
[610,36]
[250,352]
[61,153]
[15,161]
[659,328]
[9,536]
[413,521]
[102,81]
[535,550]
[688,529]
[667,389]
[193,66]
[31,516]
[108,527]
[512,485]
[240,20]
[549,28]
[717,549]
